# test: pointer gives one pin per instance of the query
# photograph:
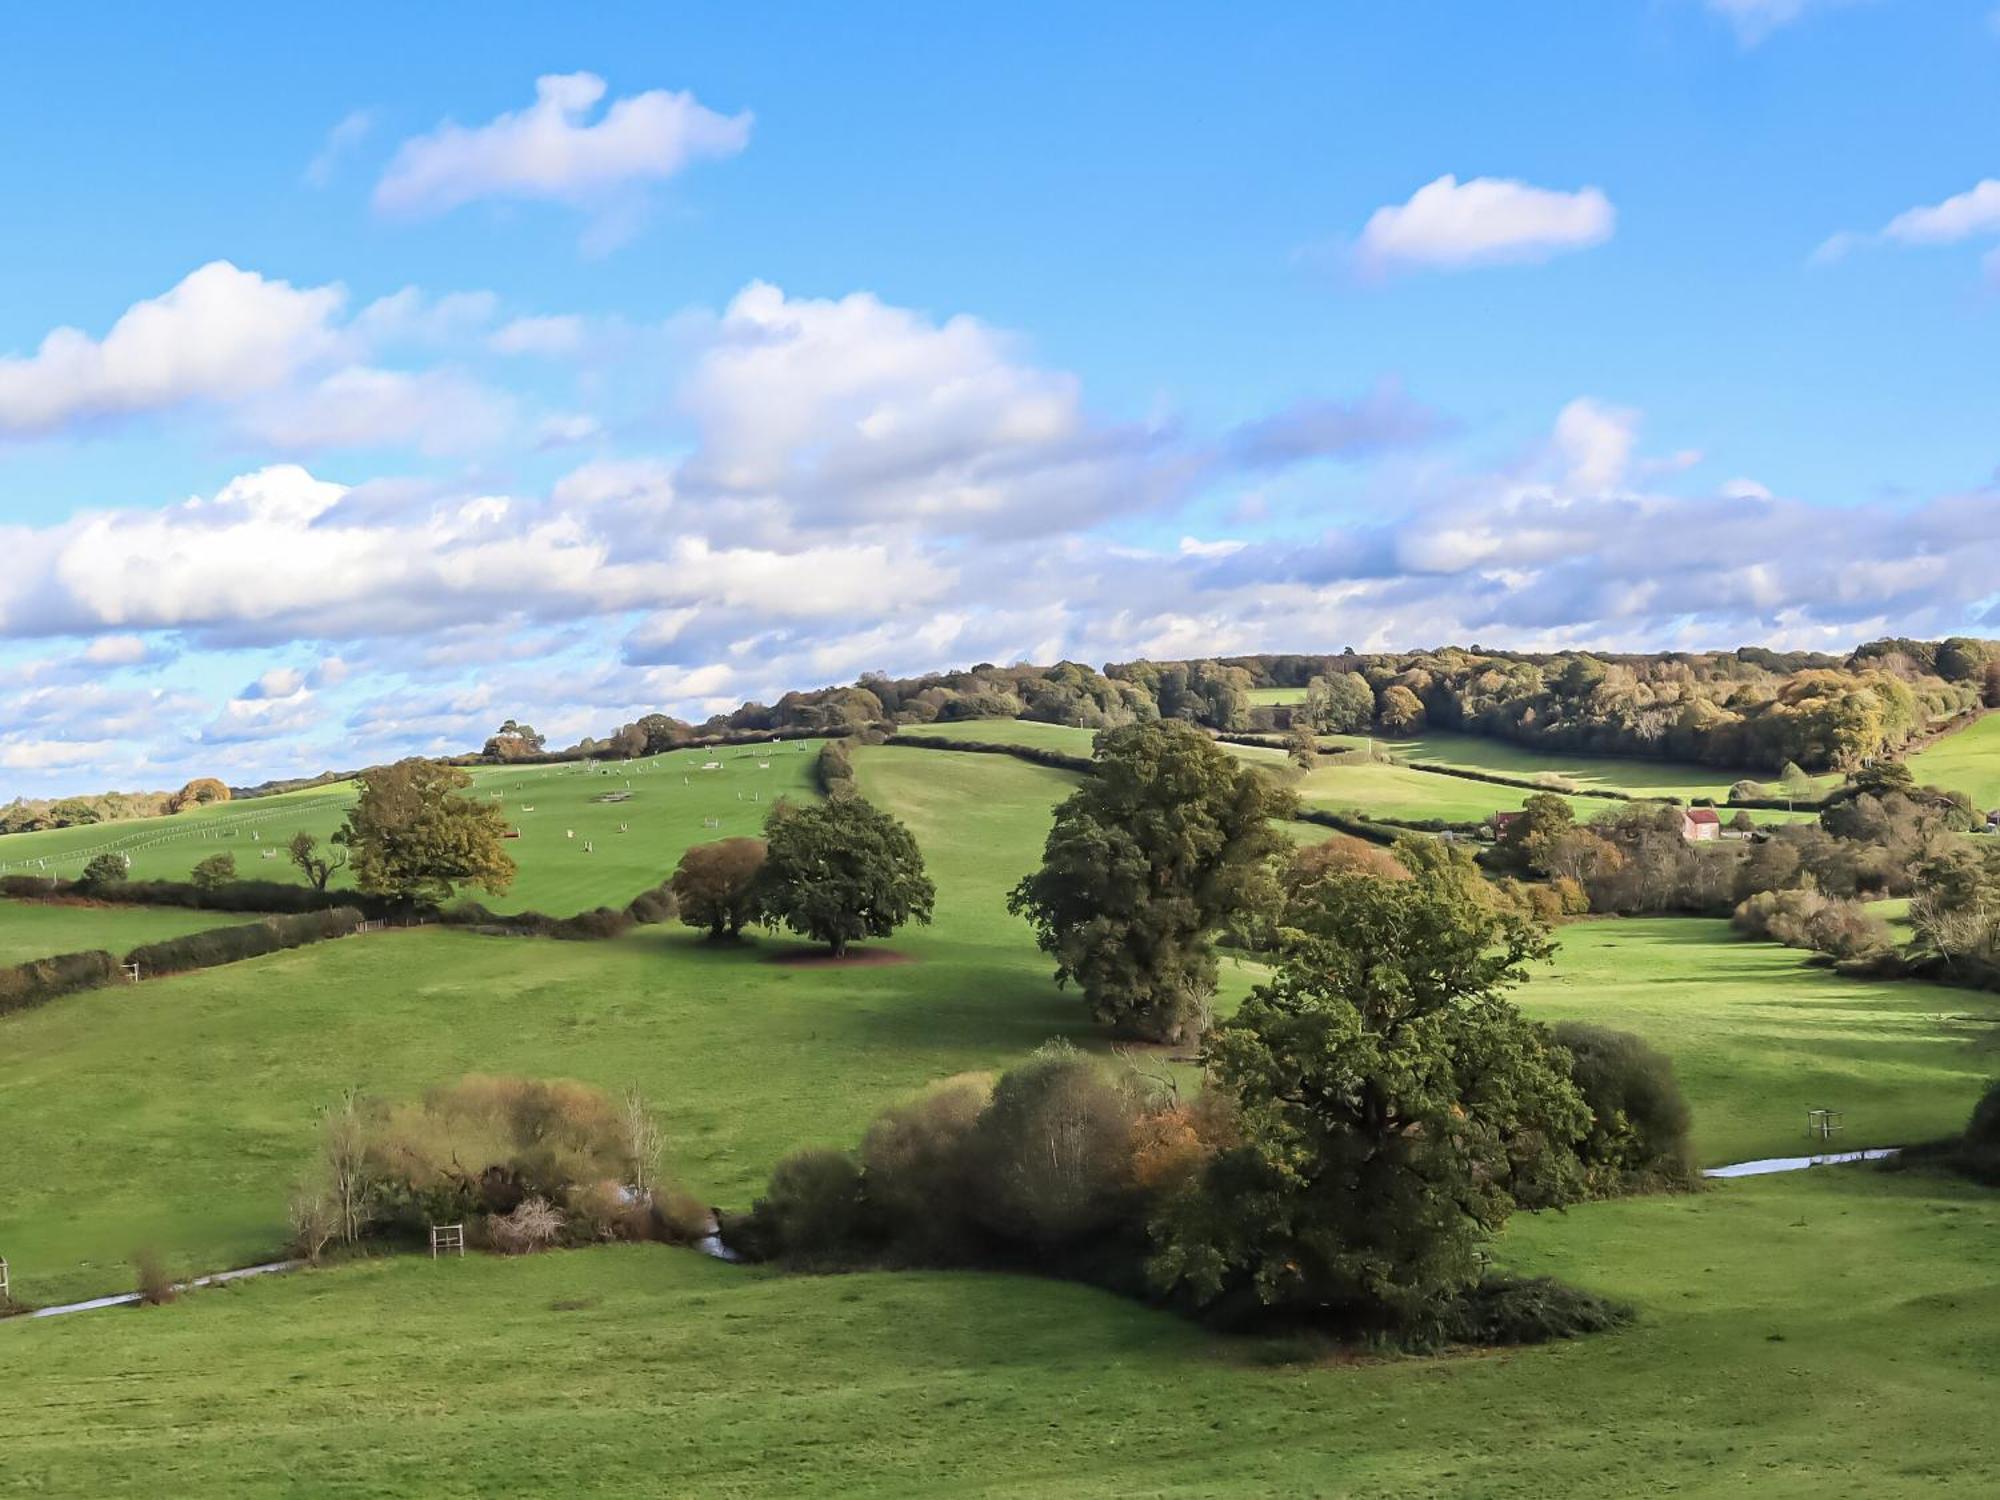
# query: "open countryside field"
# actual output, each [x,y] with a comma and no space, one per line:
[671,797]
[1277,696]
[1793,1335]
[179,1113]
[35,929]
[1383,790]
[1613,773]
[1968,761]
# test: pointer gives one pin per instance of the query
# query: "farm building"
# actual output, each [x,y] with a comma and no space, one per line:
[1699,824]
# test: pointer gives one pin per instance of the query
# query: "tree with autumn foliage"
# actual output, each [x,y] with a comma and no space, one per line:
[413,835]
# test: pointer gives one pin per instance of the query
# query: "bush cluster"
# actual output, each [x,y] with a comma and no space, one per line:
[226,945]
[594,925]
[1803,918]
[23,986]
[834,770]
[525,1164]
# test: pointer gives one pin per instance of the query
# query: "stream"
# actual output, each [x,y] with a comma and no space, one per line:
[1769,1164]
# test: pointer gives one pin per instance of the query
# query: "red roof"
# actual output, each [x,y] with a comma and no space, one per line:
[1703,815]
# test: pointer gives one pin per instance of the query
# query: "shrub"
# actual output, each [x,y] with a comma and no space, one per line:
[811,1213]
[1806,919]
[535,1224]
[216,870]
[649,908]
[1053,1151]
[478,1150]
[833,770]
[917,1161]
[1640,1122]
[105,870]
[226,945]
[156,1283]
[43,979]
[1979,1148]
[1512,1310]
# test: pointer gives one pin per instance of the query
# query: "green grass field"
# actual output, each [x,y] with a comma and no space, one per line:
[1273,697]
[33,929]
[1831,1334]
[671,799]
[1968,761]
[177,1114]
[1794,1334]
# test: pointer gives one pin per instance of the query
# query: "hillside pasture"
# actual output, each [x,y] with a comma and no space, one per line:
[1277,697]
[178,1113]
[671,797]
[1825,1334]
[1966,761]
[41,929]
[1629,774]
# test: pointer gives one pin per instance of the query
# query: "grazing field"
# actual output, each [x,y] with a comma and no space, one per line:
[1826,1334]
[1759,1036]
[671,796]
[177,1114]
[35,929]
[1382,790]
[1968,761]
[1067,738]
[1641,778]
[1277,697]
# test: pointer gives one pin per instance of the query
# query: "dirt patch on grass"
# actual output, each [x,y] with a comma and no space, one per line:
[854,958]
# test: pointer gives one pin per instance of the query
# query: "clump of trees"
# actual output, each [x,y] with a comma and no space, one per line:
[523,1163]
[413,836]
[841,871]
[1146,860]
[1372,1116]
[715,885]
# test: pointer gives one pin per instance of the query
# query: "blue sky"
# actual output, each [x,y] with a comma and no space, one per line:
[774,345]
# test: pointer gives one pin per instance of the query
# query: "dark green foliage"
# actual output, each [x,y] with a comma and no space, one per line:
[1168,839]
[811,1214]
[834,769]
[105,870]
[1389,1096]
[1640,1122]
[715,886]
[919,1169]
[649,908]
[594,925]
[1508,1310]
[43,979]
[1978,1154]
[213,872]
[226,945]
[842,871]
[1053,1151]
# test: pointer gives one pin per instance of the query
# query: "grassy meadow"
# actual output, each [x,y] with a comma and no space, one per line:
[671,799]
[1832,1333]
[1793,1333]
[35,929]
[1968,761]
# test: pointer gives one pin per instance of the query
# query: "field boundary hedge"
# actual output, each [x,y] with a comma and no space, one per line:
[272,897]
[40,980]
[228,945]
[596,925]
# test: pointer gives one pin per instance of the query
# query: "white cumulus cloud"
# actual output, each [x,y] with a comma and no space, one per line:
[551,150]
[221,333]
[1451,225]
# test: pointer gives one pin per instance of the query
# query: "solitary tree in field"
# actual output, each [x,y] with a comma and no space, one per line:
[1169,838]
[840,871]
[1389,1097]
[715,885]
[318,866]
[414,836]
[198,793]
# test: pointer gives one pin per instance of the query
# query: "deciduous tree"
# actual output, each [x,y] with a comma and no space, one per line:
[413,835]
[841,871]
